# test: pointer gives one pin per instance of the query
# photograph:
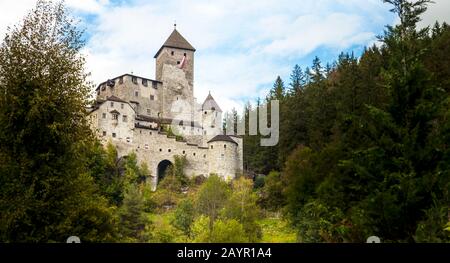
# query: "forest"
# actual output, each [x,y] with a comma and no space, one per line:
[363,150]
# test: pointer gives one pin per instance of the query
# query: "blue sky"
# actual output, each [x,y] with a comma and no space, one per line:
[242,46]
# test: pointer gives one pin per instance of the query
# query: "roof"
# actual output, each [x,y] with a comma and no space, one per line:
[97,103]
[176,40]
[168,121]
[210,103]
[114,112]
[116,99]
[126,74]
[222,138]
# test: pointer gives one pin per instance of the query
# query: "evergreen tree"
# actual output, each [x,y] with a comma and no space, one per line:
[46,189]
[297,80]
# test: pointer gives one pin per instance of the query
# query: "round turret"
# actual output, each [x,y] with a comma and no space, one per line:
[222,153]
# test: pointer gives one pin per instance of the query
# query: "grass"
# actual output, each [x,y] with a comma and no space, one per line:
[277,230]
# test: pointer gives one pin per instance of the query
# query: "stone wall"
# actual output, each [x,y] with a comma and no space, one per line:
[145,93]
[222,159]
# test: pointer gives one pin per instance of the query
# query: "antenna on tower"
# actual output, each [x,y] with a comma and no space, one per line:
[175,24]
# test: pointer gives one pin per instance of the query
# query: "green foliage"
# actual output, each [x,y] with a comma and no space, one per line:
[133,221]
[277,230]
[178,167]
[46,189]
[320,223]
[163,231]
[184,216]
[212,197]
[364,141]
[223,231]
[271,195]
[200,229]
[242,207]
[259,182]
[228,231]
[430,229]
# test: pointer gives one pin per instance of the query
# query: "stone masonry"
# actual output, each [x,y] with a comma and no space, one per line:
[158,119]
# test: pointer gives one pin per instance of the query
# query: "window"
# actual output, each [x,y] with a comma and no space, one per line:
[172,53]
[146,146]
[154,85]
[169,150]
[145,82]
[121,106]
[124,118]
[212,146]
[206,112]
[152,97]
[148,111]
[134,80]
[184,54]
[103,87]
[115,116]
[160,150]
[178,62]
[223,155]
[204,156]
[114,135]
[136,94]
[128,139]
[224,146]
[120,80]
[104,133]
[194,154]
[184,152]
[104,115]
[112,104]
[151,133]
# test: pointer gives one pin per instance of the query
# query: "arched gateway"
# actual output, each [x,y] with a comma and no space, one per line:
[162,168]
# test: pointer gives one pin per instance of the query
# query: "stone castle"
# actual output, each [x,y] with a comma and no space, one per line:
[159,119]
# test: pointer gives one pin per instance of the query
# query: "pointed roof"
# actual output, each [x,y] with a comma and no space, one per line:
[210,104]
[176,40]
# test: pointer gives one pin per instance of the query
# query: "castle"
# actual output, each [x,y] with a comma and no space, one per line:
[159,119]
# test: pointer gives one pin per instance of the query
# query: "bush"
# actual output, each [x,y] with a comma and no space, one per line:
[184,216]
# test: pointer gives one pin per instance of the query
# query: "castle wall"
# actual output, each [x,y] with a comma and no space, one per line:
[152,147]
[222,159]
[148,103]
[105,126]
[145,92]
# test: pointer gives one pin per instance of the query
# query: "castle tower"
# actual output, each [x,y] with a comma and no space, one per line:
[211,117]
[223,156]
[175,69]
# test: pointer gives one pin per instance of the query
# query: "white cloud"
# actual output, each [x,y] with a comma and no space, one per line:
[241,47]
[438,11]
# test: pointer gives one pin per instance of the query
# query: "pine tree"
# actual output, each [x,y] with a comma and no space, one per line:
[297,80]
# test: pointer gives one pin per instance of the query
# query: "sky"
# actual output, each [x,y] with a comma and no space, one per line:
[242,46]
